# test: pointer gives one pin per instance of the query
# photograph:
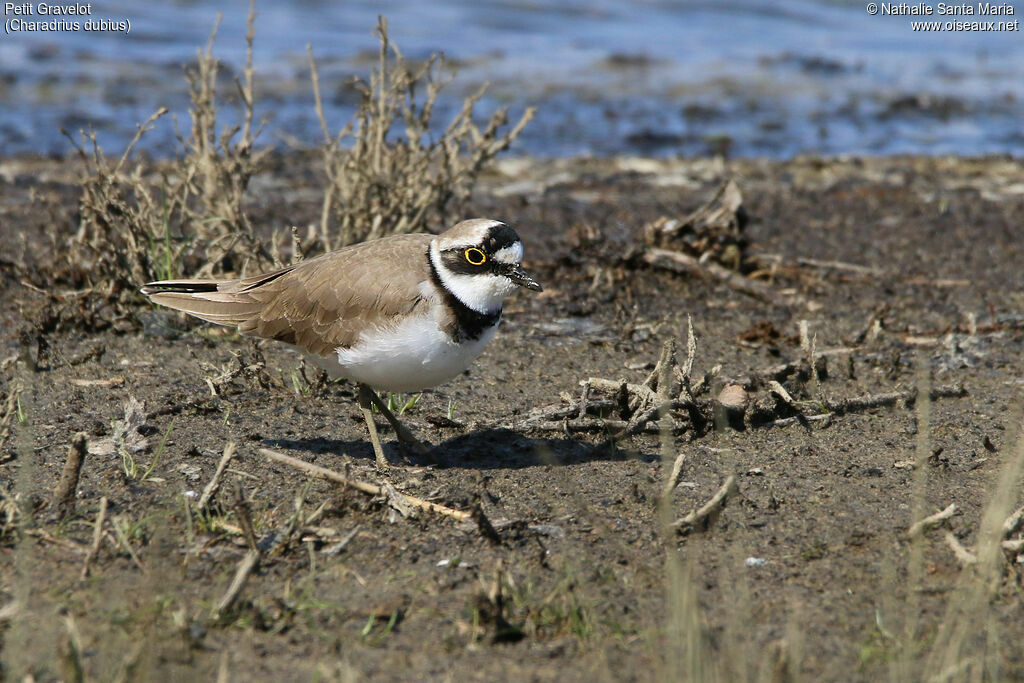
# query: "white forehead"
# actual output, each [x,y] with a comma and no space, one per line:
[467,233]
[510,254]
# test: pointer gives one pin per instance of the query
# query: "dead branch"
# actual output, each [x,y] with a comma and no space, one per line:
[338,547]
[214,484]
[840,265]
[1013,546]
[1013,522]
[923,526]
[597,424]
[799,368]
[702,518]
[679,262]
[851,405]
[673,478]
[242,573]
[641,391]
[97,538]
[962,554]
[787,421]
[245,519]
[371,489]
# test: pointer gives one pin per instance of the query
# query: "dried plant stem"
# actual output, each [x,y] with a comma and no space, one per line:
[214,484]
[97,538]
[702,518]
[363,486]
[684,263]
[63,500]
[923,526]
[242,573]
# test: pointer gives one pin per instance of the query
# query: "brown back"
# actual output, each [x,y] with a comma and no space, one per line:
[320,304]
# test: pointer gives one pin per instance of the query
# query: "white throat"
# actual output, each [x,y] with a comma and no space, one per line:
[484,293]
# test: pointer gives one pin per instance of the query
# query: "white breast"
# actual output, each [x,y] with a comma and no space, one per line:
[411,356]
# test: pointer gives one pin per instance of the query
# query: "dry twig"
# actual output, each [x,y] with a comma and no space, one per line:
[702,518]
[923,526]
[365,487]
[214,484]
[242,573]
[963,555]
[97,538]
[63,500]
[679,262]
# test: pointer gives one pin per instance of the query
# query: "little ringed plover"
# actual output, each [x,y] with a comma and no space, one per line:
[400,313]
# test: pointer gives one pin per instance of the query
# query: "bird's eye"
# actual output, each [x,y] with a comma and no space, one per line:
[475,256]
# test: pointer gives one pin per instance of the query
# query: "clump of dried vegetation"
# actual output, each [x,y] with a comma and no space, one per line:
[142,221]
[380,184]
[386,172]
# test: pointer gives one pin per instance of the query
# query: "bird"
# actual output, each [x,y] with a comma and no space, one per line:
[401,313]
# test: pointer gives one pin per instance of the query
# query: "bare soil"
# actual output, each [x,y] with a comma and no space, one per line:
[809,559]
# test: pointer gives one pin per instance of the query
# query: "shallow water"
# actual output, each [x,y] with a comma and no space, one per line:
[744,78]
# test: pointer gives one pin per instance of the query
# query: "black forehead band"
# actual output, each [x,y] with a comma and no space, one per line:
[498,237]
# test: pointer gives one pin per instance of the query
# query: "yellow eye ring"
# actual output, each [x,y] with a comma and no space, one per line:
[475,256]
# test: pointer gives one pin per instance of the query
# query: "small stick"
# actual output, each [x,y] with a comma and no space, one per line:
[873,325]
[1013,522]
[666,361]
[704,382]
[963,555]
[703,517]
[363,486]
[122,538]
[598,424]
[63,501]
[641,391]
[211,488]
[584,399]
[781,392]
[881,400]
[786,421]
[684,263]
[691,351]
[925,525]
[245,519]
[840,265]
[673,479]
[571,411]
[342,544]
[97,538]
[245,568]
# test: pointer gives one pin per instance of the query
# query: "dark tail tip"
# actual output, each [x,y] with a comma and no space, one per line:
[151,288]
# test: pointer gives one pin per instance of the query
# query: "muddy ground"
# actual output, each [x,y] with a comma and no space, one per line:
[806,573]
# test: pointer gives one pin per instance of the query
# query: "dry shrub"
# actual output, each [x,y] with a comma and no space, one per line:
[382,183]
[141,222]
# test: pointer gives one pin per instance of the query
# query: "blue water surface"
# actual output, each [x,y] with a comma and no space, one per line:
[740,77]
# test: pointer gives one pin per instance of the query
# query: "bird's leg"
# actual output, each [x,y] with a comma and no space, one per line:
[401,431]
[366,396]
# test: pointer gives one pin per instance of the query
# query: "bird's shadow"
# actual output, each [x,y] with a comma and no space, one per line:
[486,449]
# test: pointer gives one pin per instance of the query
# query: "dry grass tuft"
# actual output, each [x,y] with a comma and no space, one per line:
[141,222]
[383,182]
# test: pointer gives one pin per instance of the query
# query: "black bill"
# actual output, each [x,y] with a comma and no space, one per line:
[519,276]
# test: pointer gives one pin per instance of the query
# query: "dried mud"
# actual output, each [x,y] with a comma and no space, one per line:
[580,552]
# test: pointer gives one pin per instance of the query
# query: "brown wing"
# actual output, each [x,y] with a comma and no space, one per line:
[320,304]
